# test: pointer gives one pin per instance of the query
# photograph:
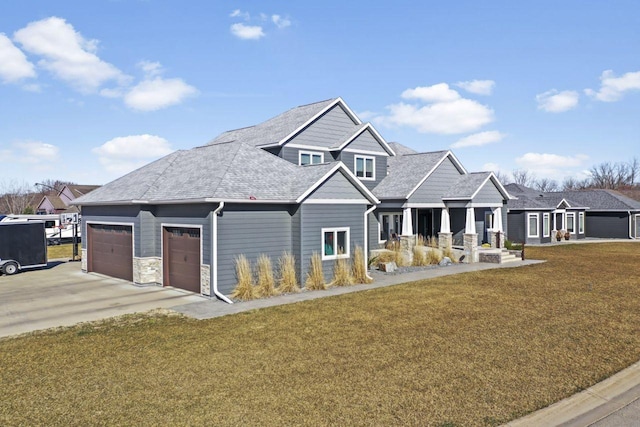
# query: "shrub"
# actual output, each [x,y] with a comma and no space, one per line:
[359,271]
[447,252]
[266,282]
[432,241]
[421,241]
[418,257]
[244,289]
[315,276]
[288,282]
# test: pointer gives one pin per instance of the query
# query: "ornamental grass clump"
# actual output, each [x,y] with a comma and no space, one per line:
[418,257]
[421,241]
[315,276]
[266,282]
[288,282]
[448,252]
[433,257]
[342,273]
[245,289]
[358,268]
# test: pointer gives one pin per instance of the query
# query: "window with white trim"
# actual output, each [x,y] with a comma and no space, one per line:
[532,225]
[391,226]
[310,157]
[335,243]
[365,167]
[581,223]
[546,225]
[571,222]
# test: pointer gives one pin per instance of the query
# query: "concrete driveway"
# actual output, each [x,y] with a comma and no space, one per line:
[61,295]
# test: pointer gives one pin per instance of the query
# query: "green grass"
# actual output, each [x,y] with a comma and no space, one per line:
[473,349]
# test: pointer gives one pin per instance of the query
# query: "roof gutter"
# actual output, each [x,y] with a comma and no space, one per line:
[366,240]
[214,249]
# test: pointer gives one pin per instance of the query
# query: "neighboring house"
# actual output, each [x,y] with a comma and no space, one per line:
[306,181]
[60,201]
[535,217]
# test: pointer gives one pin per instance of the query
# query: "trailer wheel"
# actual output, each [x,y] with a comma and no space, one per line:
[10,268]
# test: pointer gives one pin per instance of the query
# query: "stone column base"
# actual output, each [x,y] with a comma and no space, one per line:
[407,243]
[84,260]
[470,248]
[445,241]
[493,239]
[147,271]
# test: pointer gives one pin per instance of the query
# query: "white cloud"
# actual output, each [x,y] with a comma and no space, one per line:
[479,87]
[552,166]
[123,154]
[150,69]
[67,54]
[366,115]
[437,93]
[247,32]
[36,152]
[613,88]
[240,14]
[280,21]
[553,101]
[479,139]
[14,65]
[459,116]
[157,93]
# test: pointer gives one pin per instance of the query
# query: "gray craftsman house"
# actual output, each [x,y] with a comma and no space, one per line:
[537,217]
[314,179]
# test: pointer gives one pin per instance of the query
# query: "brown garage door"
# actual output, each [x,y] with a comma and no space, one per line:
[110,250]
[181,255]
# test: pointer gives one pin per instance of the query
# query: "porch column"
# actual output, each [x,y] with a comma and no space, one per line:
[470,225]
[496,234]
[470,237]
[445,237]
[407,226]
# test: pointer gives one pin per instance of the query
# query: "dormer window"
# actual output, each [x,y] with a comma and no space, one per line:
[365,167]
[310,157]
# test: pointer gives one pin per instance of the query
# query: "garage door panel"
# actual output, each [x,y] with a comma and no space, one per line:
[110,250]
[182,258]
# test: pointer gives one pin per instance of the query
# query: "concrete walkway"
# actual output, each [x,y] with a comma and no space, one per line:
[213,308]
[612,402]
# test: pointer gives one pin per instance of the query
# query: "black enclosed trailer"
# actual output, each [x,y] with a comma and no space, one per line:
[22,245]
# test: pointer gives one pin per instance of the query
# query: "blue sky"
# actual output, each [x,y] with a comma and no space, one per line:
[92,90]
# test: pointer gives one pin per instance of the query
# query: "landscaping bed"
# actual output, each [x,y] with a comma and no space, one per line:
[471,349]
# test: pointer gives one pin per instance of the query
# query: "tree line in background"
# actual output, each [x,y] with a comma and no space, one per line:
[610,176]
[21,198]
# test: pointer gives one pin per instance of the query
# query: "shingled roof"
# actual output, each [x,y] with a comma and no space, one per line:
[406,172]
[215,172]
[591,199]
[277,128]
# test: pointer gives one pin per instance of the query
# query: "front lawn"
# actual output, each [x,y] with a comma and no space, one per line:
[472,349]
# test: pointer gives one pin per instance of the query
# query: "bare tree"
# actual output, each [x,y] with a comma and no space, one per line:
[17,197]
[613,176]
[523,177]
[503,177]
[546,185]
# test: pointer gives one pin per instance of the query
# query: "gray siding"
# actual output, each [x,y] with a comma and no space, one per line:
[380,167]
[374,234]
[365,141]
[607,225]
[314,218]
[120,214]
[488,194]
[517,227]
[434,187]
[326,131]
[336,187]
[250,230]
[187,215]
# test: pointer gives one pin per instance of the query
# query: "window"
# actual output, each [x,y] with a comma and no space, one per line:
[571,220]
[365,167]
[546,225]
[310,158]
[335,243]
[391,225]
[581,223]
[532,225]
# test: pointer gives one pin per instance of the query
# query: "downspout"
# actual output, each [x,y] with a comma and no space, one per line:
[366,240]
[214,249]
[631,236]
